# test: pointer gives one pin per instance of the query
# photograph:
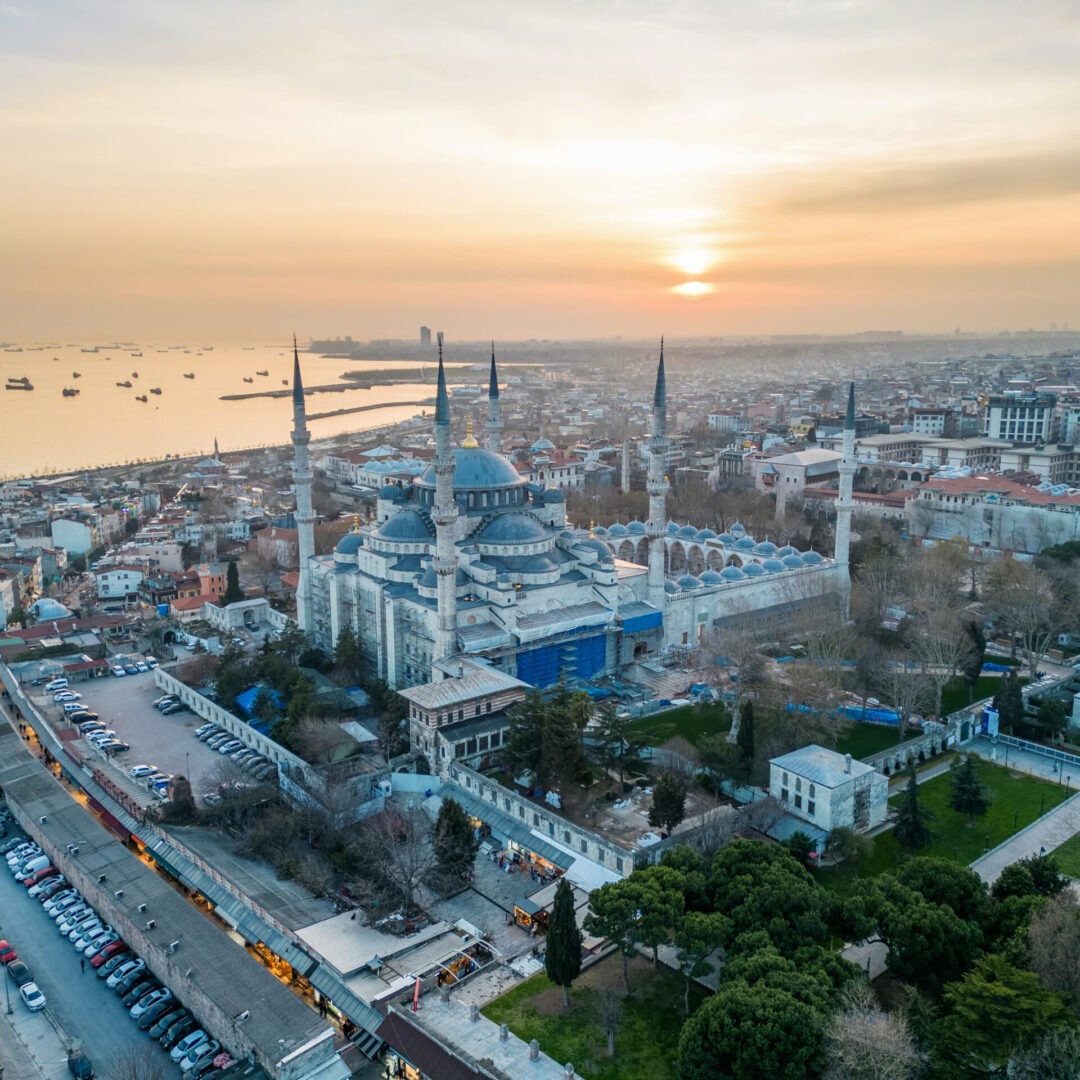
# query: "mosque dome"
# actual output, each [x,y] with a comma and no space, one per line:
[688,582]
[765,548]
[710,577]
[773,566]
[670,587]
[706,534]
[618,529]
[812,558]
[753,569]
[543,445]
[688,532]
[390,491]
[406,526]
[732,573]
[726,538]
[513,528]
[476,469]
[672,528]
[737,530]
[636,526]
[787,549]
[600,530]
[793,562]
[350,543]
[603,552]
[744,543]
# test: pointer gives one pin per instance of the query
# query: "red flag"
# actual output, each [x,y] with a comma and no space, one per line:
[416,995]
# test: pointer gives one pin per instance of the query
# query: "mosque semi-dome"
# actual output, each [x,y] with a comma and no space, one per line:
[744,543]
[732,573]
[390,491]
[812,558]
[705,534]
[618,529]
[753,569]
[476,469]
[406,526]
[513,528]
[636,527]
[350,543]
[787,549]
[603,552]
[688,532]
[670,587]
[737,530]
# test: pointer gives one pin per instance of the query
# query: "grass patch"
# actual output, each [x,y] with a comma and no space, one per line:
[647,1035]
[1068,857]
[690,722]
[864,740]
[1016,800]
[955,696]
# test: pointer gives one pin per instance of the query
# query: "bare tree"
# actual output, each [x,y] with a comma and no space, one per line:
[198,671]
[138,1061]
[940,644]
[263,570]
[608,1007]
[1054,945]
[1056,1056]
[397,853]
[864,1043]
[316,739]
[907,691]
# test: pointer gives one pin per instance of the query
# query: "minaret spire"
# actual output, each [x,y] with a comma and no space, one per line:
[656,485]
[444,514]
[845,502]
[305,516]
[494,424]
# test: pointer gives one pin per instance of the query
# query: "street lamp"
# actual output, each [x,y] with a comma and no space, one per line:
[987,848]
[1068,780]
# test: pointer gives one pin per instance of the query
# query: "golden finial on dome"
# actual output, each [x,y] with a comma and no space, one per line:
[469,443]
[356,523]
[592,529]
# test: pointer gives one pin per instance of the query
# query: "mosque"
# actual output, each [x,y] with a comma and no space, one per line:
[471,562]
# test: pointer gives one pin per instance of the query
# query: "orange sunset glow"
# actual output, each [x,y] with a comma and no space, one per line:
[554,170]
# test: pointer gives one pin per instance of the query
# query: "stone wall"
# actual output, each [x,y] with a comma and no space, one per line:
[937,737]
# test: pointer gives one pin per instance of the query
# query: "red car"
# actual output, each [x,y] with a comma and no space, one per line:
[7,953]
[41,875]
[99,958]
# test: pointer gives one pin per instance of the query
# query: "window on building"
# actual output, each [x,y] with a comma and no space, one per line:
[585,846]
[521,812]
[785,779]
[813,793]
[798,783]
[798,802]
[618,865]
[536,820]
[566,836]
[783,794]
[811,807]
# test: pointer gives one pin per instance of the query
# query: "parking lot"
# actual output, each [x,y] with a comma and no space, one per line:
[167,742]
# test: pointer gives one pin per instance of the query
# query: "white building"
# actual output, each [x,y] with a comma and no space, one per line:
[118,582]
[75,537]
[928,421]
[786,475]
[727,421]
[1025,418]
[828,789]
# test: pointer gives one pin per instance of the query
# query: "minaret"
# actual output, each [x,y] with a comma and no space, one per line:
[494,424]
[217,456]
[626,466]
[844,502]
[305,516]
[444,514]
[656,526]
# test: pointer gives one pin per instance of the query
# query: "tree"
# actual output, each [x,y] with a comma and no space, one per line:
[943,882]
[562,958]
[669,801]
[565,717]
[396,854]
[138,1061]
[1053,946]
[609,1008]
[233,593]
[912,828]
[864,1043]
[349,661]
[697,935]
[317,739]
[972,660]
[994,1009]
[745,737]
[620,744]
[658,892]
[967,794]
[265,707]
[1056,1056]
[613,914]
[941,646]
[1009,702]
[928,942]
[800,845]
[848,845]
[525,739]
[454,842]
[180,809]
[1052,716]
[722,760]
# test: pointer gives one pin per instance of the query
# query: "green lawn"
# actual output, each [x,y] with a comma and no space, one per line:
[1015,802]
[689,721]
[955,695]
[864,740]
[1068,857]
[647,1032]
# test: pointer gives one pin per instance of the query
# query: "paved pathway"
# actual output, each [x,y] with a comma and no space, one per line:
[1049,832]
[1024,761]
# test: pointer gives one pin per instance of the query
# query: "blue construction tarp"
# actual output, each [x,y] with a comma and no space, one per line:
[990,666]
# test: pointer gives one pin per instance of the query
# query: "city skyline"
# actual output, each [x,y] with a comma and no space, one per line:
[516,172]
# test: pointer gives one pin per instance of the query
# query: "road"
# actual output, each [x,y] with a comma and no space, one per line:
[79,1002]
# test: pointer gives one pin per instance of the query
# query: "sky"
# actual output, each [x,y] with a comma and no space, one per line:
[550,169]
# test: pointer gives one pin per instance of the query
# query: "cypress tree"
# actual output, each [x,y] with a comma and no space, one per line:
[233,592]
[912,820]
[563,956]
[745,738]
[454,841]
[968,796]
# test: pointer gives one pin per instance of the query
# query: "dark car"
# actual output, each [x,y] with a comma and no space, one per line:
[154,1012]
[20,973]
[79,1065]
[113,962]
[175,1033]
[139,990]
[126,983]
[166,1020]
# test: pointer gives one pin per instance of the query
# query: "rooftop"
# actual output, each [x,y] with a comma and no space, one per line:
[822,766]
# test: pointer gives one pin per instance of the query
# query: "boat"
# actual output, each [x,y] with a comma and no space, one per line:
[93,350]
[262,372]
[136,354]
[246,379]
[155,389]
[126,384]
[208,348]
[189,374]
[76,374]
[134,374]
[284,382]
[249,348]
[69,391]
[141,397]
[13,350]
[22,383]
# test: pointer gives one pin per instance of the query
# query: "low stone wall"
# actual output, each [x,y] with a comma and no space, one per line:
[935,740]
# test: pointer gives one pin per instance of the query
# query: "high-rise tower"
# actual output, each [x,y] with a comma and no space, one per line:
[494,424]
[844,503]
[656,526]
[444,514]
[305,516]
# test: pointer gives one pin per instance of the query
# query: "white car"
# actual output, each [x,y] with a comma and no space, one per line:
[188,1043]
[118,671]
[62,696]
[95,945]
[56,904]
[47,883]
[123,971]
[33,997]
[141,665]
[149,1001]
[138,771]
[188,1061]
[55,684]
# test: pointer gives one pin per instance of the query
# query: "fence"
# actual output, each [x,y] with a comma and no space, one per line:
[1062,756]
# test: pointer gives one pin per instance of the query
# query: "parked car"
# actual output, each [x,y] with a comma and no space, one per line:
[139,991]
[69,919]
[172,710]
[175,1032]
[89,934]
[55,684]
[88,726]
[162,994]
[151,662]
[103,955]
[118,671]
[229,747]
[33,997]
[165,699]
[79,1065]
[55,908]
[38,876]
[98,942]
[7,952]
[211,798]
[23,850]
[266,772]
[50,904]
[205,729]
[201,1059]
[54,880]
[129,982]
[172,1014]
[130,968]
[140,665]
[138,771]
[61,697]
[118,959]
[188,1043]
[149,1015]
[19,972]
[11,843]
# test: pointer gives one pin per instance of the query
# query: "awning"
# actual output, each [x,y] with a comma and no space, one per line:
[505,826]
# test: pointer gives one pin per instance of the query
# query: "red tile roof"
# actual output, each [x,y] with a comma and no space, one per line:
[1002,487]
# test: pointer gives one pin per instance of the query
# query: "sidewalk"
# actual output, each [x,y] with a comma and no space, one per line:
[1049,832]
[30,1047]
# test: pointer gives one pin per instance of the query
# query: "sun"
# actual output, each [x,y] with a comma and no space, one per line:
[693,288]
[692,260]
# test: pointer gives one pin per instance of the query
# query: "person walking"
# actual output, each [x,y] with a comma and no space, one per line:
[82,965]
